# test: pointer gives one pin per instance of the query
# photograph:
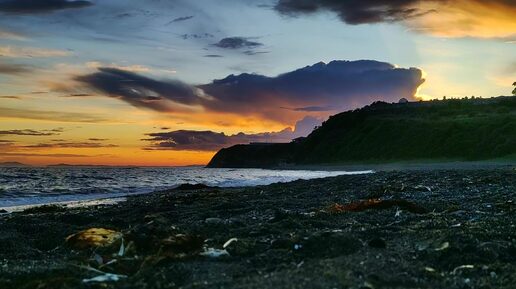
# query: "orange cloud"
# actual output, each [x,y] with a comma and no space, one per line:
[467,18]
[29,52]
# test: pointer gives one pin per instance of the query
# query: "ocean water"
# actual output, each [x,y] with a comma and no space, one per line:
[32,186]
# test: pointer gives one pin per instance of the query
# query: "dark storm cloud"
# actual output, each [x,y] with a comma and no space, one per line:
[14,69]
[213,56]
[10,97]
[77,95]
[212,141]
[237,43]
[339,84]
[32,132]
[357,11]
[179,19]
[141,91]
[39,6]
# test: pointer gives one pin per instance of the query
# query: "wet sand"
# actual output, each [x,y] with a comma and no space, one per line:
[462,235]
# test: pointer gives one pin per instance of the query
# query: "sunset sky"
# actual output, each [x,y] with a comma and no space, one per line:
[169,82]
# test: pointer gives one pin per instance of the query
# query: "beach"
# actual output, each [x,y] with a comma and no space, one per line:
[428,228]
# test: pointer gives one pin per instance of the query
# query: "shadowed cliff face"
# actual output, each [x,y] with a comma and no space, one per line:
[468,129]
[253,155]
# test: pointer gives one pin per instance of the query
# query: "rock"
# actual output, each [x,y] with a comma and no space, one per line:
[282,244]
[213,221]
[45,209]
[236,222]
[329,244]
[244,248]
[181,246]
[214,253]
[185,187]
[377,243]
[2,211]
[93,238]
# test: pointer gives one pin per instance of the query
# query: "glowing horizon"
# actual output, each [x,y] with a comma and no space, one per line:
[168,84]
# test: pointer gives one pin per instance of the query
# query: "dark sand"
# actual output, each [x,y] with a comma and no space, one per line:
[286,238]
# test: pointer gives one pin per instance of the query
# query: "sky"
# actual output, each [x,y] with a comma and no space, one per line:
[169,82]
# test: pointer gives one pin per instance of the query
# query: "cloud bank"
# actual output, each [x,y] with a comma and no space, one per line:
[39,6]
[50,115]
[458,18]
[141,91]
[336,86]
[32,132]
[190,140]
[31,52]
[13,69]
[79,145]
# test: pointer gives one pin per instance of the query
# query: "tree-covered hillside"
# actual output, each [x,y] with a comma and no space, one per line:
[456,129]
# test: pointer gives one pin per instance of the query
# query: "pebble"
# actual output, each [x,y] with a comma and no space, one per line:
[377,243]
[213,221]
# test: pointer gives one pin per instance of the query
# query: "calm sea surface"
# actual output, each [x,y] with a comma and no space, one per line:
[29,186]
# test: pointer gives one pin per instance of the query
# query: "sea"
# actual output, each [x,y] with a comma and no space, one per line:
[28,186]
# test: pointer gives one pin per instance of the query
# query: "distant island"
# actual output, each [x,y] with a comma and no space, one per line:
[469,129]
[63,165]
[13,165]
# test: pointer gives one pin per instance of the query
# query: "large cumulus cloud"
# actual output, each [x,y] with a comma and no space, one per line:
[338,85]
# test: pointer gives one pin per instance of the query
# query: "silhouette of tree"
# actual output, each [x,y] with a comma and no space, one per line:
[514,90]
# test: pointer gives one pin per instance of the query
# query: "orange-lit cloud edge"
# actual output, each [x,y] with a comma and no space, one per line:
[466,18]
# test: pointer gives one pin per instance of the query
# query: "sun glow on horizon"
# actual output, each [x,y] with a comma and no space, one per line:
[174,92]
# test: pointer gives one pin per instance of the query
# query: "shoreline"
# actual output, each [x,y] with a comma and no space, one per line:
[408,166]
[69,204]
[437,229]
[20,203]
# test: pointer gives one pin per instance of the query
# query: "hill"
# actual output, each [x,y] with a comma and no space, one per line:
[455,129]
[13,165]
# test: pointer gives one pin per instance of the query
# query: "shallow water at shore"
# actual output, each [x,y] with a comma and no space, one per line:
[30,186]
